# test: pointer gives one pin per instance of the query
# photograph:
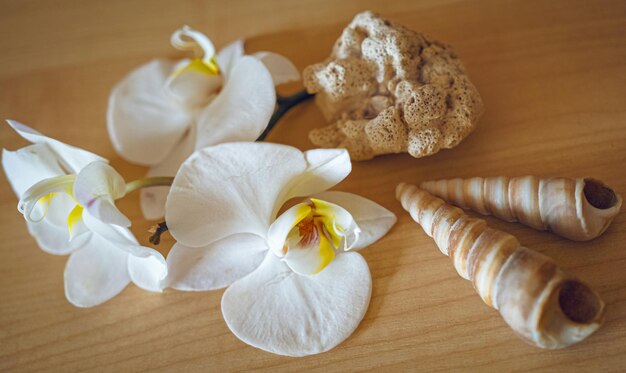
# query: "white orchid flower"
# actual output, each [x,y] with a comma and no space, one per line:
[164,110]
[67,196]
[296,285]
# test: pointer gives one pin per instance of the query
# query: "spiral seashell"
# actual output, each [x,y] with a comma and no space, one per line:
[546,306]
[577,209]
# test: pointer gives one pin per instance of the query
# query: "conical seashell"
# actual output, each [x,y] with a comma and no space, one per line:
[577,209]
[543,304]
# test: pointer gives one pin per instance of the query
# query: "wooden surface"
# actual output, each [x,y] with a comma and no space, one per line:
[553,79]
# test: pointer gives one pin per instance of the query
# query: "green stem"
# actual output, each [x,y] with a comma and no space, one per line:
[149,182]
[285,103]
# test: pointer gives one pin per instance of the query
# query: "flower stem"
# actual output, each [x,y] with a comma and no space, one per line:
[149,182]
[157,231]
[285,103]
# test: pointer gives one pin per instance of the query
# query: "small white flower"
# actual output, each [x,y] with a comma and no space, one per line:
[295,289]
[67,196]
[164,110]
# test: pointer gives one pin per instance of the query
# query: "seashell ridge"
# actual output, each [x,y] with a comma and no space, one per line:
[577,209]
[543,304]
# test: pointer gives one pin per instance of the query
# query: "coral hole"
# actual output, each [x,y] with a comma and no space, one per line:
[599,195]
[579,303]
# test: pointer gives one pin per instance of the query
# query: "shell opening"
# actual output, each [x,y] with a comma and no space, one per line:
[579,303]
[599,195]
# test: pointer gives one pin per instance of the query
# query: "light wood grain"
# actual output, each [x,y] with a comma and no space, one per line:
[553,79]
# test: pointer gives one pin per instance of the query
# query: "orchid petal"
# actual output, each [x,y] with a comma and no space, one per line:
[36,200]
[52,233]
[26,167]
[71,158]
[54,239]
[98,179]
[281,68]
[280,228]
[63,215]
[325,169]
[75,224]
[95,273]
[32,164]
[143,121]
[104,209]
[312,258]
[228,189]
[227,57]
[373,219]
[339,219]
[153,199]
[279,311]
[61,205]
[214,266]
[243,108]
[121,237]
[194,84]
[338,222]
[147,267]
[148,272]
[96,188]
[29,165]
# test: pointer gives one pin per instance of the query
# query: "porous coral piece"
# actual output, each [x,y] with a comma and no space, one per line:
[387,89]
[386,132]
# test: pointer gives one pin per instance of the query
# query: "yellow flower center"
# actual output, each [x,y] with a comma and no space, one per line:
[201,66]
[315,234]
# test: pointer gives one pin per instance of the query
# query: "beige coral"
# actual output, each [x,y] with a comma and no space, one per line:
[387,89]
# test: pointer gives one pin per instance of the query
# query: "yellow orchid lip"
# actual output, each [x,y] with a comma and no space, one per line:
[197,65]
[74,217]
[327,214]
[302,212]
[312,234]
[42,193]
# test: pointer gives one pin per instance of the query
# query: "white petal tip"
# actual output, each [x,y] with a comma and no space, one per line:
[19,126]
[297,315]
